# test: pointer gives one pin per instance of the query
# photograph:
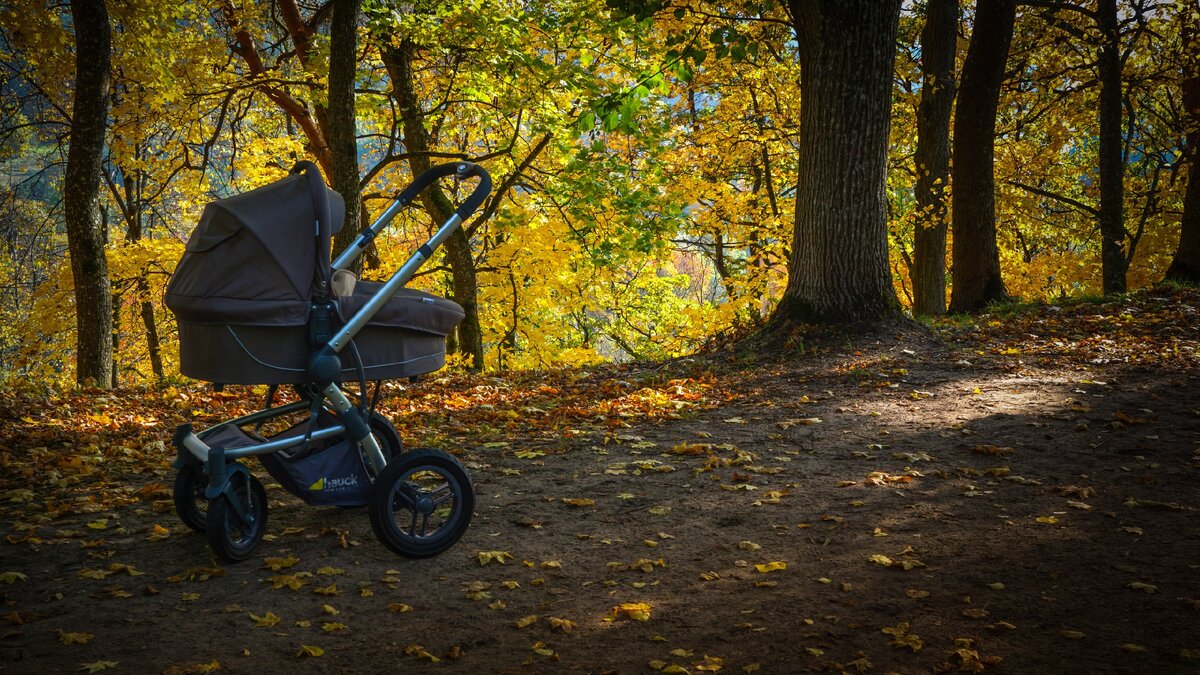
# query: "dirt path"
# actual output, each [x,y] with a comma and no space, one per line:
[975,500]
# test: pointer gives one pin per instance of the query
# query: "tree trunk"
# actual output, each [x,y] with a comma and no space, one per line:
[939,38]
[81,188]
[398,61]
[343,146]
[1185,266]
[1111,149]
[975,279]
[838,267]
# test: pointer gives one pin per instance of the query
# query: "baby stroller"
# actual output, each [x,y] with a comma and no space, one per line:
[258,302]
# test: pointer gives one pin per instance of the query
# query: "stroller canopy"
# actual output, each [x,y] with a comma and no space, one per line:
[253,259]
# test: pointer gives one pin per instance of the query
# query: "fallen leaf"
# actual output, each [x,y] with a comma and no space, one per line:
[265,621]
[309,650]
[501,557]
[74,638]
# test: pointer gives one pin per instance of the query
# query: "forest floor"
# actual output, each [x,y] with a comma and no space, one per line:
[1016,493]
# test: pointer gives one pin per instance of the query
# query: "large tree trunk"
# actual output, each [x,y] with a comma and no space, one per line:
[1111,149]
[1185,266]
[838,268]
[343,146]
[398,61]
[976,280]
[81,187]
[939,38]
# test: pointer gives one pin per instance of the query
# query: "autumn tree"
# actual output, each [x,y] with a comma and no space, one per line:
[1185,266]
[838,268]
[343,137]
[939,39]
[976,279]
[81,187]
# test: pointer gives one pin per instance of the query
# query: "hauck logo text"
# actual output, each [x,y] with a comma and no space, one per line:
[335,484]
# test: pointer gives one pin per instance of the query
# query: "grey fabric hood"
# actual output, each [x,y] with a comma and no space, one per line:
[252,259]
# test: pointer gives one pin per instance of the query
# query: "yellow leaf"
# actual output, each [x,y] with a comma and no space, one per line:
[190,597]
[1048,520]
[97,666]
[1132,648]
[99,524]
[331,589]
[881,560]
[328,571]
[748,546]
[510,585]
[328,609]
[265,621]
[333,626]
[309,650]
[1139,586]
[996,586]
[562,624]
[673,668]
[526,621]
[419,652]
[74,638]
[901,637]
[285,580]
[399,607]
[277,564]
[158,533]
[13,577]
[771,566]
[657,664]
[751,667]
[501,557]
[579,502]
[1071,634]
[638,611]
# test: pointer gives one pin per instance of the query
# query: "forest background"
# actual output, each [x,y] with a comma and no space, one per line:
[648,160]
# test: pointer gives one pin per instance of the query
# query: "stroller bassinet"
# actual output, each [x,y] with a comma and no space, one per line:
[244,289]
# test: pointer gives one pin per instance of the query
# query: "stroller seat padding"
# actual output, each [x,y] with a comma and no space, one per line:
[409,309]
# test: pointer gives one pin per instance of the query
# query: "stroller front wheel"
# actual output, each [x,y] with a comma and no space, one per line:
[234,537]
[188,493]
[421,503]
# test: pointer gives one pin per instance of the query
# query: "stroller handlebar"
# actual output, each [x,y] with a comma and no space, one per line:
[460,170]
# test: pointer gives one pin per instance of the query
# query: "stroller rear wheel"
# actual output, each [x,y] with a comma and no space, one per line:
[188,493]
[421,503]
[232,536]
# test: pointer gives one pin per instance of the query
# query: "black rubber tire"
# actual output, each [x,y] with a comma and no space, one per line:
[190,503]
[405,474]
[229,538]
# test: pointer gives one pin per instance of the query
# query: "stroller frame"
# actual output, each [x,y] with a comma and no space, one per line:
[229,485]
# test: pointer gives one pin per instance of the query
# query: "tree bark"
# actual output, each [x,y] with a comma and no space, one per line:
[81,189]
[1111,149]
[838,268]
[1185,266]
[343,146]
[398,61]
[939,39]
[975,278]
